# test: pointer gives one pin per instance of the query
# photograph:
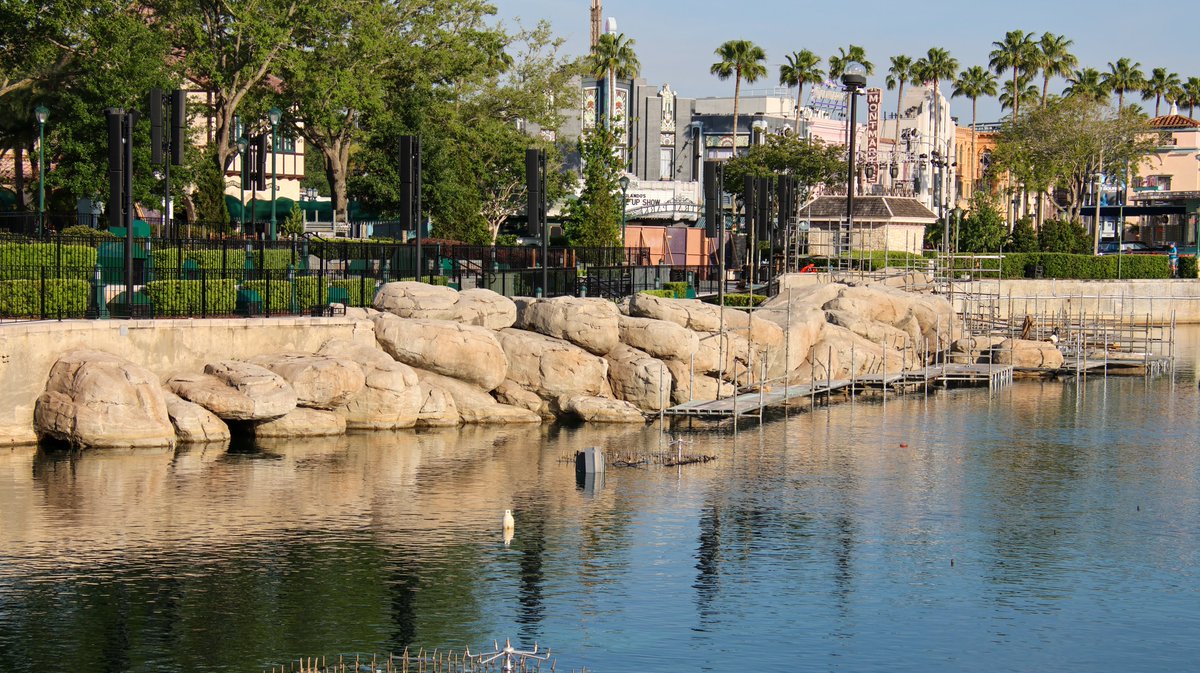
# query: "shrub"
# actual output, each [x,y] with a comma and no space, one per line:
[1064,236]
[744,300]
[24,298]
[1083,267]
[1187,267]
[678,289]
[361,293]
[1024,237]
[82,231]
[26,260]
[229,259]
[665,294]
[192,297]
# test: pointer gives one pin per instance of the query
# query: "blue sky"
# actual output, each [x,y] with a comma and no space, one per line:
[675,39]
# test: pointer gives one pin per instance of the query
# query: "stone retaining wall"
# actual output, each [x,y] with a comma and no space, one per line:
[1158,299]
[29,350]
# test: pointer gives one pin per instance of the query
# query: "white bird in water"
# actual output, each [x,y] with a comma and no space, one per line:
[509,525]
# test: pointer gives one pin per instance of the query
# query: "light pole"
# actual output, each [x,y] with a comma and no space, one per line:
[42,114]
[624,182]
[276,114]
[854,77]
[242,144]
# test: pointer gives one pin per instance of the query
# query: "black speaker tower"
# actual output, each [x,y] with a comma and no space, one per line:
[163,145]
[410,194]
[535,206]
[120,186]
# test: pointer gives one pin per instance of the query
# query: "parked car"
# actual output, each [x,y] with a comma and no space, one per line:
[1133,248]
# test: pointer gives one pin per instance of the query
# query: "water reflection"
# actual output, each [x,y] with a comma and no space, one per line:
[1053,525]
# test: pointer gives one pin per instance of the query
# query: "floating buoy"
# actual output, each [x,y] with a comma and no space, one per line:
[509,526]
[903,445]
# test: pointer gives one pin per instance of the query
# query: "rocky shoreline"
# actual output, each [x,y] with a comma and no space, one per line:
[440,357]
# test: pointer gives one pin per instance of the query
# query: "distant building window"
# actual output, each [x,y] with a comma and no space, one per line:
[287,141]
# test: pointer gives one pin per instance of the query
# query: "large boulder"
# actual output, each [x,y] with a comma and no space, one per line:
[320,381]
[971,349]
[391,396]
[479,307]
[437,408]
[552,368]
[659,338]
[690,385]
[475,405]
[1024,354]
[193,423]
[463,352]
[842,354]
[236,391]
[879,304]
[302,422]
[95,399]
[638,378]
[514,395]
[876,332]
[802,326]
[813,296]
[600,409]
[588,323]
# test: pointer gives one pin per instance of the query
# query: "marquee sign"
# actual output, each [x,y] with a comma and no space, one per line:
[874,101]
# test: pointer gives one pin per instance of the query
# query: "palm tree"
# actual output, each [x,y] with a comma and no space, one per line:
[1124,76]
[1159,85]
[1016,52]
[898,75]
[1191,95]
[837,63]
[613,58]
[741,60]
[1055,59]
[801,68]
[1028,95]
[974,83]
[1088,84]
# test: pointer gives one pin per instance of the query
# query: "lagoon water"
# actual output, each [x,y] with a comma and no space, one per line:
[1050,526]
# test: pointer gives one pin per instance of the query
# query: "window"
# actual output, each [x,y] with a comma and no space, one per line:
[666,163]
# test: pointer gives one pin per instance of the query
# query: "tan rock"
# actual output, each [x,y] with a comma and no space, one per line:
[690,385]
[1024,354]
[514,395]
[802,326]
[972,349]
[95,399]
[193,423]
[588,323]
[479,307]
[302,422]
[638,378]
[551,367]
[659,338]
[842,354]
[600,409]
[463,352]
[236,391]
[437,408]
[879,333]
[391,397]
[320,381]
[476,405]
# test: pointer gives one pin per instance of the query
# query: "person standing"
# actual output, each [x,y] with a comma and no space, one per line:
[1173,257]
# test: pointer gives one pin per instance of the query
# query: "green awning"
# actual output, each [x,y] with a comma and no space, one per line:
[233,206]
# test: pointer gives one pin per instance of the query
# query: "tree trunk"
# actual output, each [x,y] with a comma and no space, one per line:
[1016,95]
[1120,100]
[896,134]
[1157,103]
[799,98]
[19,176]
[974,157]
[336,171]
[1045,88]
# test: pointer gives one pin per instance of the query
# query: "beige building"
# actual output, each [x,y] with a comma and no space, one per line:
[881,223]
[1166,193]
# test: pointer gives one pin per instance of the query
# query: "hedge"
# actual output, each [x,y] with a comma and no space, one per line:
[307,296]
[1187,267]
[192,297]
[678,289]
[210,260]
[25,260]
[361,294]
[23,298]
[744,300]
[665,294]
[1075,267]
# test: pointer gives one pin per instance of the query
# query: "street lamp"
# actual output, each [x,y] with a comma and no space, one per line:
[242,144]
[42,114]
[854,77]
[624,182]
[275,114]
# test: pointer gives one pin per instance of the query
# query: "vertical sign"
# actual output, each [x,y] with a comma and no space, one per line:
[874,100]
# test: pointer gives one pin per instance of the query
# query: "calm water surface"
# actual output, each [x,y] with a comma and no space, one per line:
[1053,526]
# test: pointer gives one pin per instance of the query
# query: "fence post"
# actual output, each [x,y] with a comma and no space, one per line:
[42,293]
[203,292]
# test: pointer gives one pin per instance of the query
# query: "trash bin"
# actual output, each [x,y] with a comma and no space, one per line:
[1034,271]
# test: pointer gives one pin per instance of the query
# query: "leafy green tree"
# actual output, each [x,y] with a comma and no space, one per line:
[1122,76]
[974,83]
[1019,53]
[1054,59]
[293,224]
[1063,144]
[613,58]
[802,67]
[1190,95]
[594,219]
[1160,83]
[1024,237]
[811,161]
[1064,236]
[1087,83]
[983,228]
[208,196]
[741,60]
[899,74]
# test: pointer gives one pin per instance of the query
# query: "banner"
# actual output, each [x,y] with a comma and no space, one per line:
[874,100]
